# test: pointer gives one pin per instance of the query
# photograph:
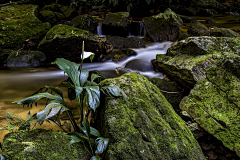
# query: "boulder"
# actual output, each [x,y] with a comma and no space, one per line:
[120,42]
[187,19]
[68,11]
[85,22]
[183,59]
[118,55]
[25,59]
[142,124]
[210,67]
[199,29]
[163,27]
[42,144]
[64,41]
[19,23]
[48,16]
[116,24]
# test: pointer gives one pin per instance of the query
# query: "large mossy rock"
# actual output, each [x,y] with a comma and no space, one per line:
[64,41]
[19,23]
[48,16]
[143,125]
[199,29]
[210,65]
[116,24]
[42,144]
[120,42]
[163,27]
[183,61]
[85,22]
[25,59]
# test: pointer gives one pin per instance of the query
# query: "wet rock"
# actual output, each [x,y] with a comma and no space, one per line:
[18,23]
[209,21]
[118,55]
[85,22]
[69,12]
[210,66]
[142,124]
[25,59]
[139,65]
[171,91]
[163,27]
[52,7]
[116,24]
[64,41]
[198,29]
[48,16]
[42,144]
[120,42]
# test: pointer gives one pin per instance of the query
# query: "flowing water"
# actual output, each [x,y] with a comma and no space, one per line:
[17,84]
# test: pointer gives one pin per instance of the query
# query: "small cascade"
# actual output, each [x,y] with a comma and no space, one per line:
[141,29]
[99,30]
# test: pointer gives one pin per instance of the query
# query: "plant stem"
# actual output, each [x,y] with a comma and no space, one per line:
[81,107]
[87,149]
[90,145]
[74,124]
[82,58]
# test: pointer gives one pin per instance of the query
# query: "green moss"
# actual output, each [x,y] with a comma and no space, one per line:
[48,16]
[43,145]
[18,23]
[143,125]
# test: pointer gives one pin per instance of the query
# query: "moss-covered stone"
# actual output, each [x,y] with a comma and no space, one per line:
[209,65]
[25,59]
[52,7]
[64,41]
[198,29]
[163,27]
[85,22]
[42,145]
[48,16]
[18,23]
[120,42]
[143,125]
[115,24]
[68,11]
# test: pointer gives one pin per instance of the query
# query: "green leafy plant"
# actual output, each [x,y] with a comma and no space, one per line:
[80,88]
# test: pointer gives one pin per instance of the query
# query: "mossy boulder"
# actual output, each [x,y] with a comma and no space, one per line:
[115,24]
[85,22]
[64,41]
[199,29]
[42,145]
[210,67]
[142,124]
[183,60]
[68,11]
[52,7]
[163,27]
[25,59]
[48,16]
[19,23]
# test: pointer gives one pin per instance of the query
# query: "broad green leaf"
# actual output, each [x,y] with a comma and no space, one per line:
[94,76]
[91,57]
[95,158]
[102,144]
[54,107]
[54,89]
[78,91]
[94,132]
[70,68]
[111,91]
[75,138]
[86,127]
[84,77]
[93,96]
[39,96]
[69,85]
